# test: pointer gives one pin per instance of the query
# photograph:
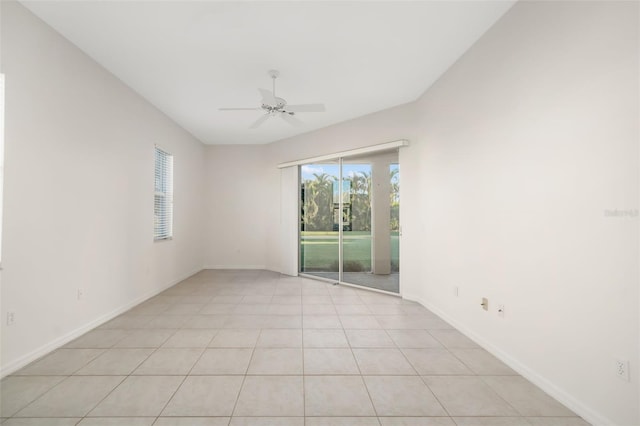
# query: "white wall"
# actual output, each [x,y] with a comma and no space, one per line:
[526,142]
[238,196]
[516,153]
[79,192]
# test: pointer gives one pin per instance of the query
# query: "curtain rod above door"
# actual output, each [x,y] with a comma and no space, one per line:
[357,151]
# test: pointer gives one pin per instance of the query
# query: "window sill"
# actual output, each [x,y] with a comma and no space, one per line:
[159,240]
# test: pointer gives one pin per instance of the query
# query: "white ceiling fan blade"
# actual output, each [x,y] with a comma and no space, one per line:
[291,119]
[267,97]
[239,109]
[306,108]
[259,121]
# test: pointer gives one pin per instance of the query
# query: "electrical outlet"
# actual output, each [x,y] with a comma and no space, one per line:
[622,369]
[80,294]
[485,304]
[501,311]
[11,318]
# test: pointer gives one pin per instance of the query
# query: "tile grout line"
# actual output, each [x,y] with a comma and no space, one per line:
[413,367]
[244,378]
[360,373]
[472,375]
[304,390]
[37,397]
[500,396]
[66,377]
[123,380]
[420,376]
[358,365]
[181,383]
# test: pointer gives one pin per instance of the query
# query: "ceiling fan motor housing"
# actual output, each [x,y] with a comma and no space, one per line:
[278,106]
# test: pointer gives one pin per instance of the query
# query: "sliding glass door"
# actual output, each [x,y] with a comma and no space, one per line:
[319,233]
[349,220]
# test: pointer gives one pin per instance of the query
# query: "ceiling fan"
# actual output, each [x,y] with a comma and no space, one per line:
[273,105]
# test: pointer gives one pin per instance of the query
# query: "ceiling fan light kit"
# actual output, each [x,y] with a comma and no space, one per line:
[273,105]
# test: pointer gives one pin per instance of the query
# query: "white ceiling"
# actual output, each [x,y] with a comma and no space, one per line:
[191,58]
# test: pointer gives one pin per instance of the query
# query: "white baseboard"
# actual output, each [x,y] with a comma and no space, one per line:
[235,267]
[249,267]
[587,413]
[66,338]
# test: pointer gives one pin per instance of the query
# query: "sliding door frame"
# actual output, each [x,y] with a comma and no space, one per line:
[339,157]
[340,223]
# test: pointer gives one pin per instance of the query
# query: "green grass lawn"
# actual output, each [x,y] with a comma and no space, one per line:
[319,250]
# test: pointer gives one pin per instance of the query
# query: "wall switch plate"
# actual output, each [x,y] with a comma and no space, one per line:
[11,318]
[485,304]
[456,291]
[622,369]
[80,294]
[501,311]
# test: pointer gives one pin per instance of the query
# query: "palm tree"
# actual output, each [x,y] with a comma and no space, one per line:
[317,206]
[360,201]
[394,176]
[309,208]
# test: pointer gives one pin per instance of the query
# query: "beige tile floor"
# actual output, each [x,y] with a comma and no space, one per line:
[256,348]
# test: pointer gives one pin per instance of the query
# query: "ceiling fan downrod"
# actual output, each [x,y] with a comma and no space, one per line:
[274,74]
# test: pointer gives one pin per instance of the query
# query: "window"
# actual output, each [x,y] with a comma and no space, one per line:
[163,196]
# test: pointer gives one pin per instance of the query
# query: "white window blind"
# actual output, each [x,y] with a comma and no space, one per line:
[163,196]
